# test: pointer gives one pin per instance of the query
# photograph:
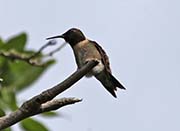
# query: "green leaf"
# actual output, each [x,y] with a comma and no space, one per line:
[2,113]
[49,114]
[7,129]
[1,42]
[8,96]
[17,42]
[3,104]
[30,124]
[6,75]
[2,63]
[26,74]
[2,59]
[20,75]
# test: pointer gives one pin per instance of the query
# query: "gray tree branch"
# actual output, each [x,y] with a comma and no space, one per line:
[32,59]
[43,102]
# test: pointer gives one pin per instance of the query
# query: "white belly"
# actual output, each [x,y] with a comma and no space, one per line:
[96,70]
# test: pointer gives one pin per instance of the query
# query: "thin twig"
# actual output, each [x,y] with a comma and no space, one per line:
[12,55]
[50,43]
[57,103]
[32,60]
[56,50]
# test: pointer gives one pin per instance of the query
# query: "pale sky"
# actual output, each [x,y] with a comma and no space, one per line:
[142,40]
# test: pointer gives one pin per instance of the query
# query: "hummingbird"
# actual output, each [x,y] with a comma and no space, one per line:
[86,50]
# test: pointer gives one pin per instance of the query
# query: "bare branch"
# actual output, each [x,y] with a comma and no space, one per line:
[57,103]
[50,43]
[56,50]
[32,60]
[13,55]
[43,102]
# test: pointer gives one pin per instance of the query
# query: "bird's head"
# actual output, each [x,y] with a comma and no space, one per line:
[72,36]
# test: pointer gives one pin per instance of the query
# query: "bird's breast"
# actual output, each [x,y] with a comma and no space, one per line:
[85,51]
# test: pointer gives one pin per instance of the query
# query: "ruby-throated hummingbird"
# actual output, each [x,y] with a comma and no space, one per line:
[86,50]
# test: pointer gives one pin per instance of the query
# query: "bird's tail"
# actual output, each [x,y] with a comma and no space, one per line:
[109,82]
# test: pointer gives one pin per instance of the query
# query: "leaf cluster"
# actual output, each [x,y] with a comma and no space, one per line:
[18,75]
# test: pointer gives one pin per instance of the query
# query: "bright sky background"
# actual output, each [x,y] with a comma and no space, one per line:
[142,40]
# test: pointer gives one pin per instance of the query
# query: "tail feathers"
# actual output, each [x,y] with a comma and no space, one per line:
[111,90]
[109,82]
[115,82]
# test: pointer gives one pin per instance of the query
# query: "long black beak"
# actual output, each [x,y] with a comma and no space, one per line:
[54,37]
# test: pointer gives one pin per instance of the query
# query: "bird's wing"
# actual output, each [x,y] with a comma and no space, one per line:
[104,58]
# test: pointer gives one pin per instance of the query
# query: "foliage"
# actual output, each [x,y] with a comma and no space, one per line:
[17,75]
[30,124]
